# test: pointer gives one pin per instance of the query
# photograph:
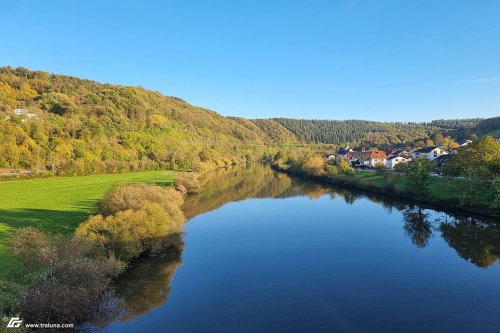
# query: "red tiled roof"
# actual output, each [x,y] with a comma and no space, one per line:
[378,154]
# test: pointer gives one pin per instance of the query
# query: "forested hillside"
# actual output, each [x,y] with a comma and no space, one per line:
[76,126]
[390,134]
[69,125]
[357,132]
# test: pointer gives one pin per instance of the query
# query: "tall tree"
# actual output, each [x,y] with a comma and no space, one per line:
[418,175]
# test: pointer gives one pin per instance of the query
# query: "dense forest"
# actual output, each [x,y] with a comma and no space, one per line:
[66,125]
[388,134]
[357,132]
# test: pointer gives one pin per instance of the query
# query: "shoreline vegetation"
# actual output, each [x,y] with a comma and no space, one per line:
[470,181]
[362,182]
[80,268]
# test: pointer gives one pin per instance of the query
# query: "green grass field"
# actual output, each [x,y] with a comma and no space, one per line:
[439,187]
[57,205]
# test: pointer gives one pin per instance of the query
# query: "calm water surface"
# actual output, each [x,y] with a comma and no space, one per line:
[267,253]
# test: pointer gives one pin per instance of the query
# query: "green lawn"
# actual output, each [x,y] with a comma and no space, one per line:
[57,204]
[439,187]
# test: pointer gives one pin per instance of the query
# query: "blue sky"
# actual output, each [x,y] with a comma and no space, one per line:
[375,59]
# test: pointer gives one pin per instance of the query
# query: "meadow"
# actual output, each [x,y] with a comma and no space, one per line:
[438,187]
[57,205]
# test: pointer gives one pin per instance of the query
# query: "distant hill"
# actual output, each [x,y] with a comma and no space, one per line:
[372,133]
[357,132]
[77,126]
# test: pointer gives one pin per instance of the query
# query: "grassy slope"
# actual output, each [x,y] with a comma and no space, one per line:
[57,204]
[495,133]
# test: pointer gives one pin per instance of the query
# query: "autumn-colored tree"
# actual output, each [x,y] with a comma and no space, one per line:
[484,152]
[313,164]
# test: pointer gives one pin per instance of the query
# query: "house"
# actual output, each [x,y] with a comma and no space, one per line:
[23,113]
[394,160]
[343,152]
[429,153]
[465,143]
[399,152]
[439,163]
[376,158]
[19,112]
[354,157]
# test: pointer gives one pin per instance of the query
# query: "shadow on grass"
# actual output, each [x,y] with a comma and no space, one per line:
[90,206]
[50,220]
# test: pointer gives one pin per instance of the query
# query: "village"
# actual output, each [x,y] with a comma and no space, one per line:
[390,158]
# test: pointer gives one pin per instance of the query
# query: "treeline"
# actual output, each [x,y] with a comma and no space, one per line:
[456,123]
[357,131]
[362,133]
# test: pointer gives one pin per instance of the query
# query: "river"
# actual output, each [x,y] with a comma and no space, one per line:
[268,253]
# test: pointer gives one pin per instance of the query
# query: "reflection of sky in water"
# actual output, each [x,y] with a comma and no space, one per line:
[302,265]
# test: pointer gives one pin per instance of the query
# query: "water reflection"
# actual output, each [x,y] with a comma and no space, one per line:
[146,285]
[417,226]
[235,184]
[475,240]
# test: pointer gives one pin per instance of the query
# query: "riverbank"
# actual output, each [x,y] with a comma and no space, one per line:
[57,205]
[442,192]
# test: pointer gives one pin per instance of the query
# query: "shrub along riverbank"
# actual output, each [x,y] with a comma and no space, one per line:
[79,269]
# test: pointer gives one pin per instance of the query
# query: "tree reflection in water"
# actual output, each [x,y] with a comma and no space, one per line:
[146,284]
[417,226]
[475,240]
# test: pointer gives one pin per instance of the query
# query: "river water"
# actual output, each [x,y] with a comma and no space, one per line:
[268,253]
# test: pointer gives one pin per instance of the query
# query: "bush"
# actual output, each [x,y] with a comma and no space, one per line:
[313,164]
[136,196]
[339,166]
[32,246]
[331,169]
[70,279]
[131,232]
[139,218]
[187,182]
[10,293]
